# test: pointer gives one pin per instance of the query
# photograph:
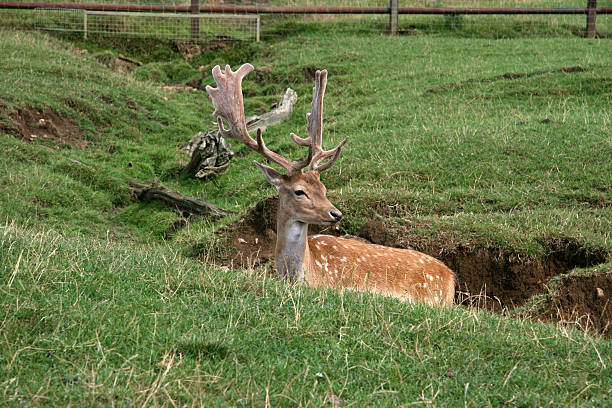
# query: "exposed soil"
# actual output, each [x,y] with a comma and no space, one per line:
[30,125]
[189,49]
[585,301]
[254,237]
[309,73]
[489,278]
[121,63]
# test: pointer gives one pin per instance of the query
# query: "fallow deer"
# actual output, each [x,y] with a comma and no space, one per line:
[324,260]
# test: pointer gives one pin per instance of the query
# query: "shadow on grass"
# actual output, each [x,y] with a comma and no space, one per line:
[203,350]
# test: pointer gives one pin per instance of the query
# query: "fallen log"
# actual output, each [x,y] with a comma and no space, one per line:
[128,59]
[184,205]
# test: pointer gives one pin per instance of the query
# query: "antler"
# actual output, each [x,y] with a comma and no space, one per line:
[315,128]
[229,105]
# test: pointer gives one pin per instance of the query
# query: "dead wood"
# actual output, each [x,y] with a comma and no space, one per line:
[184,205]
[210,155]
[279,113]
[128,59]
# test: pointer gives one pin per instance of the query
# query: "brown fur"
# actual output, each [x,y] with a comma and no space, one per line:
[402,273]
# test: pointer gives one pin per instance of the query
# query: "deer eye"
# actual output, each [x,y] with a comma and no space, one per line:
[300,193]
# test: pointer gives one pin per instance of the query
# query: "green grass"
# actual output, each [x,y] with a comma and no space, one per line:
[511,157]
[98,322]
[101,307]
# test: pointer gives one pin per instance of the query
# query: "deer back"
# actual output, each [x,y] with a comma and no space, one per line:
[402,273]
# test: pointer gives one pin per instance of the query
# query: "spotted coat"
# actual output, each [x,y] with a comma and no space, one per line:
[403,273]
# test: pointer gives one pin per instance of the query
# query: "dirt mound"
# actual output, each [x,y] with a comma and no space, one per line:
[584,301]
[489,278]
[30,124]
[506,279]
[252,240]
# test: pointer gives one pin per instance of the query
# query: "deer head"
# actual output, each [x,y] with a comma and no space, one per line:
[302,196]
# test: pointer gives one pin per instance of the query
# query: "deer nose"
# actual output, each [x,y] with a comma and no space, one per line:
[336,215]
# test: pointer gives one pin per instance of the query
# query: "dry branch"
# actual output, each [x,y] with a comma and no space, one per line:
[184,205]
[282,111]
[128,59]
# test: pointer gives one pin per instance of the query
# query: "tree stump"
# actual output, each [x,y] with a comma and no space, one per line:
[210,155]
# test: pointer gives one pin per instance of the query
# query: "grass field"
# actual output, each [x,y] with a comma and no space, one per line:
[463,145]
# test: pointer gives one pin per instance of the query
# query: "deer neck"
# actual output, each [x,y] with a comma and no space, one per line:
[292,254]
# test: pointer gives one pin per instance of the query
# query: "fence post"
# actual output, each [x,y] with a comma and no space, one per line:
[591,29]
[195,22]
[85,24]
[393,16]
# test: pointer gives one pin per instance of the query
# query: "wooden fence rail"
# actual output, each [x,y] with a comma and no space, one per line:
[393,10]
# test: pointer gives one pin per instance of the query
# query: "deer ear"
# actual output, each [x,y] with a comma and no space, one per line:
[274,177]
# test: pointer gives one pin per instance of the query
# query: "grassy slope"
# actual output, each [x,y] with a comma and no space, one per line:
[502,163]
[113,111]
[91,322]
[94,317]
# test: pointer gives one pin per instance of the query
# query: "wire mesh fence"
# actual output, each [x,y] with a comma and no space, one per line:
[246,19]
[171,26]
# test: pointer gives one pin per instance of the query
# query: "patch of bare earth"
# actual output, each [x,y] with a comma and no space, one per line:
[31,125]
[585,301]
[490,278]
